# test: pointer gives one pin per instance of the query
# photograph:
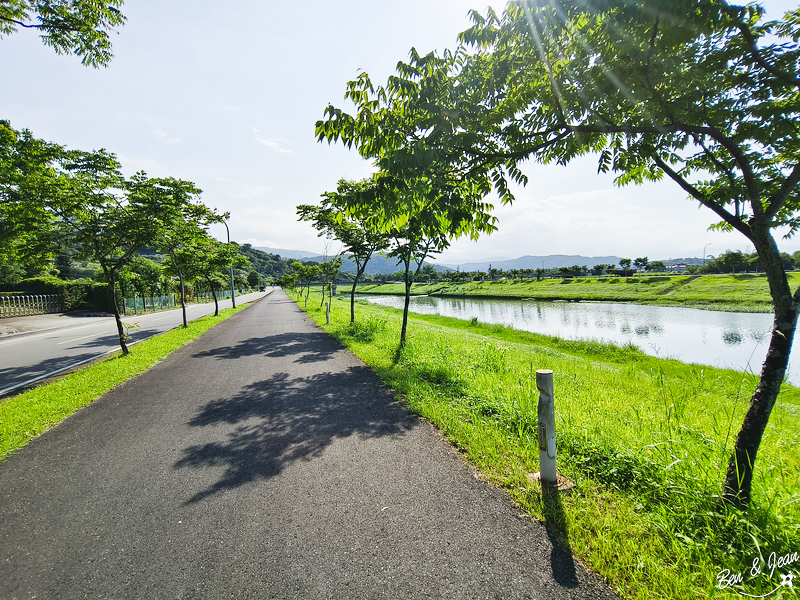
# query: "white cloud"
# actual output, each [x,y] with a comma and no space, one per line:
[271,144]
[274,146]
[164,138]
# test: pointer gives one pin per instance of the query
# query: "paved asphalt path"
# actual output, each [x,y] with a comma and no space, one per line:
[47,345]
[261,461]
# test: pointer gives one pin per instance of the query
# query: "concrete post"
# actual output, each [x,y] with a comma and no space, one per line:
[327,312]
[547,427]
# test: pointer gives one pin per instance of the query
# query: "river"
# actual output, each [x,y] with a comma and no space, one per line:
[721,339]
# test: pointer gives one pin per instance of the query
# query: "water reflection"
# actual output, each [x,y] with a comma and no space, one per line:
[732,340]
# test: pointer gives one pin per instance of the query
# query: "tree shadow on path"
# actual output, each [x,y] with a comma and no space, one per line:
[283,419]
[308,348]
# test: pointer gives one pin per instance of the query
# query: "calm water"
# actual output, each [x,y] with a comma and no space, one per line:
[722,339]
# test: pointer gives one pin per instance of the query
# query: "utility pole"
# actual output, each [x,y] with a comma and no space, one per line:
[225,218]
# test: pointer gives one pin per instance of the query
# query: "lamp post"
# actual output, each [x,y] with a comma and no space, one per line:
[225,218]
[704,252]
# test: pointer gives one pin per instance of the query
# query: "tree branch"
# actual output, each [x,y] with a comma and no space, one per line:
[776,202]
[734,222]
[756,54]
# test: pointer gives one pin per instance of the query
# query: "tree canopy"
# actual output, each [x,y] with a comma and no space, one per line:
[80,27]
[700,92]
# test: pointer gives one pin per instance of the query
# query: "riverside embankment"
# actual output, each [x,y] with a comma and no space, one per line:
[646,441]
[744,292]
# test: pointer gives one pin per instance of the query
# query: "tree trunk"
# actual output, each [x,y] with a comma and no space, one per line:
[406,303]
[112,286]
[183,289]
[739,477]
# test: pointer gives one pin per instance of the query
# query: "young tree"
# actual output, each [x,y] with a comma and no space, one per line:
[329,270]
[79,27]
[358,239]
[698,91]
[145,276]
[105,225]
[204,258]
[307,274]
[641,263]
[178,218]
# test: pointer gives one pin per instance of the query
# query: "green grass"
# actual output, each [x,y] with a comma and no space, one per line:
[26,415]
[743,293]
[645,440]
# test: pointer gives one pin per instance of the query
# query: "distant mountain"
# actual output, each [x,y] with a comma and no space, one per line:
[283,253]
[552,261]
[377,265]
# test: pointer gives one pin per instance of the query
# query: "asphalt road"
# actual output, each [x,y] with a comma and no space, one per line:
[68,340]
[263,460]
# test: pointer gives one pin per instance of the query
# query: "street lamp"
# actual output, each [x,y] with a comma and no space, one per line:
[704,252]
[225,218]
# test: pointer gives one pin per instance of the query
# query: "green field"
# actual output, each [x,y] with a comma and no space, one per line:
[743,292]
[645,440]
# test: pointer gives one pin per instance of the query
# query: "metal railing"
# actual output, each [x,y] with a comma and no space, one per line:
[149,304]
[157,303]
[27,305]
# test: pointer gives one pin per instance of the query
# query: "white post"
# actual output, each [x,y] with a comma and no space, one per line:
[547,427]
[327,313]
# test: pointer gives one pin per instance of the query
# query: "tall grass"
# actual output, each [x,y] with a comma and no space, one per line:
[645,440]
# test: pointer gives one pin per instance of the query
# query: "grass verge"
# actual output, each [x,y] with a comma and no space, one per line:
[26,415]
[646,441]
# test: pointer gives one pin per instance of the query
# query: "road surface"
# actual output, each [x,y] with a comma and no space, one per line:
[67,341]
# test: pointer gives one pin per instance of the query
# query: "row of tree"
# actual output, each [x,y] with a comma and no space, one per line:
[736,261]
[51,196]
[700,92]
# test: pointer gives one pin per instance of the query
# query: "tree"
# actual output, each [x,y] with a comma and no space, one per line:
[204,258]
[145,276]
[29,178]
[79,27]
[328,270]
[95,214]
[307,274]
[657,266]
[358,239]
[698,91]
[641,263]
[254,279]
[625,263]
[178,218]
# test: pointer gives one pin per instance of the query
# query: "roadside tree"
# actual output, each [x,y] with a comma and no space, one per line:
[357,238]
[179,220]
[306,274]
[95,215]
[698,91]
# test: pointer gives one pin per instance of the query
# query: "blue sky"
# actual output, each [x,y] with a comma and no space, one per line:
[226,94]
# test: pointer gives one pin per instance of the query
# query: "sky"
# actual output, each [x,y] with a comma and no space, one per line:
[226,95]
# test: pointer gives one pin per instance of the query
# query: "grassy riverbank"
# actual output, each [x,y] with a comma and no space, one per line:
[645,440]
[741,293]
[26,415]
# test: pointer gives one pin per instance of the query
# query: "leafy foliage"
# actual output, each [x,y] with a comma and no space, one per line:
[80,27]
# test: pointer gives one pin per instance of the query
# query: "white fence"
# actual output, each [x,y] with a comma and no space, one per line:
[23,306]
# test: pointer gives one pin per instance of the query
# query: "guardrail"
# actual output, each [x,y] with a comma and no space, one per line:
[23,306]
